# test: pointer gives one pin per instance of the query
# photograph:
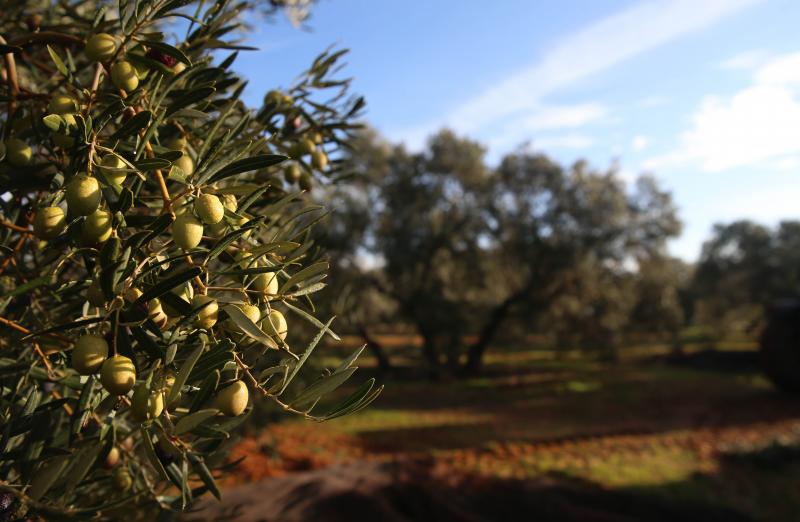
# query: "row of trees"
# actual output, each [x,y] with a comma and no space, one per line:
[465,253]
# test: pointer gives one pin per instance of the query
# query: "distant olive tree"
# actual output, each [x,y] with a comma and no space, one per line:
[461,247]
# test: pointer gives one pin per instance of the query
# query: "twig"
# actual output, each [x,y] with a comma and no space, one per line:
[12,226]
[11,77]
[36,347]
[246,370]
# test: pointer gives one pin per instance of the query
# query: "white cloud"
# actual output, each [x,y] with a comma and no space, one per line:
[757,124]
[783,71]
[744,61]
[640,142]
[591,50]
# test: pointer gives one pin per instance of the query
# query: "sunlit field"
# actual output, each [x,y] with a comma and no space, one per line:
[705,429]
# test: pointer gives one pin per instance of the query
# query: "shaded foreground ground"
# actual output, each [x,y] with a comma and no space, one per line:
[702,438]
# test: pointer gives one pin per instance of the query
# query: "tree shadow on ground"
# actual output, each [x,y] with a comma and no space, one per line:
[762,483]
[407,492]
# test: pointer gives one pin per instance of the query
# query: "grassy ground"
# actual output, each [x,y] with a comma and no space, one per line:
[703,431]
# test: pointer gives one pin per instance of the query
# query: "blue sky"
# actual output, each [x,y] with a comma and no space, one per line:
[704,94]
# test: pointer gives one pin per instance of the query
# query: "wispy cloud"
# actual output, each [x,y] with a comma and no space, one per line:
[754,126]
[744,60]
[588,51]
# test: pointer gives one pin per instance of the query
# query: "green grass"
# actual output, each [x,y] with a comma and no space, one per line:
[638,425]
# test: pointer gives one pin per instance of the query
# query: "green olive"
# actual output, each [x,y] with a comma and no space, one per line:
[209,208]
[275,325]
[89,354]
[252,312]
[62,104]
[97,227]
[306,182]
[112,458]
[176,142]
[232,400]
[186,164]
[319,159]
[121,479]
[266,282]
[49,222]
[100,47]
[187,232]
[229,202]
[83,195]
[292,173]
[118,375]
[273,97]
[113,169]
[146,404]
[217,230]
[156,312]
[18,152]
[207,317]
[307,146]
[123,76]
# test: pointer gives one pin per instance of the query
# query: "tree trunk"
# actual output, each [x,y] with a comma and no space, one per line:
[487,333]
[431,353]
[384,364]
[496,318]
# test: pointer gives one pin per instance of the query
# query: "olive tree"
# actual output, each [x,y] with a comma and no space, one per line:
[153,258]
[463,248]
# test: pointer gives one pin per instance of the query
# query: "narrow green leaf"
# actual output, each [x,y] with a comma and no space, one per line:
[195,96]
[133,125]
[248,327]
[247,165]
[66,326]
[58,61]
[187,422]
[310,318]
[347,363]
[150,451]
[310,271]
[322,387]
[183,373]
[168,284]
[203,472]
[169,51]
[46,476]
[207,389]
[306,354]
[229,238]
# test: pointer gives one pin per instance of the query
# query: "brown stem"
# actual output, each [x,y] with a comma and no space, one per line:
[45,37]
[36,347]
[12,226]
[11,77]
